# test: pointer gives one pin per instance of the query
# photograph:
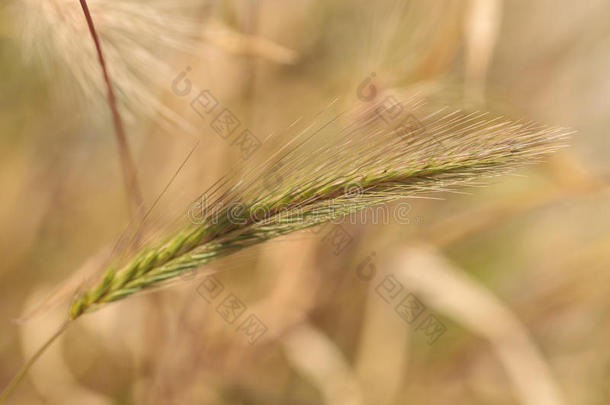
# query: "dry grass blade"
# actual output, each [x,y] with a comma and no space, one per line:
[328,170]
[324,365]
[484,314]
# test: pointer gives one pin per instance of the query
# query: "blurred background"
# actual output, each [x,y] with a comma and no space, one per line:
[496,295]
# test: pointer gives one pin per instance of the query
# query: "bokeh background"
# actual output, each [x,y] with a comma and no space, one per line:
[517,274]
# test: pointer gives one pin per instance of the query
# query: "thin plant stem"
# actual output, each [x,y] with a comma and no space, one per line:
[129,172]
[26,367]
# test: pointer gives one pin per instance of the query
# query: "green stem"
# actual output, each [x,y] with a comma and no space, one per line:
[26,367]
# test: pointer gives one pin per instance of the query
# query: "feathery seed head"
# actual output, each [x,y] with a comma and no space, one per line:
[327,170]
[137,37]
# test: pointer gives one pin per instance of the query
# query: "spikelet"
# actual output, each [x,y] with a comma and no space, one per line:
[327,170]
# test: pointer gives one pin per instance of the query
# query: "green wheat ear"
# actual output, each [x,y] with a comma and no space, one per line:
[318,169]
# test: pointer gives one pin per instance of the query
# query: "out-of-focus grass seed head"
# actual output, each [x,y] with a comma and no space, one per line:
[137,39]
